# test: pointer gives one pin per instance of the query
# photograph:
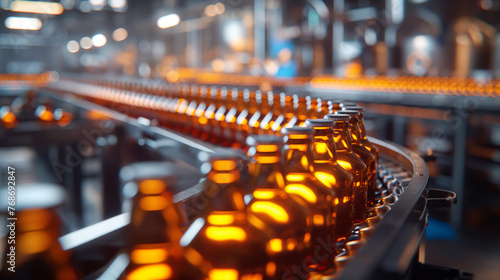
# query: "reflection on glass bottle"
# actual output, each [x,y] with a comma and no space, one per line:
[350,162]
[261,109]
[332,175]
[267,114]
[199,120]
[286,216]
[286,114]
[234,108]
[234,245]
[363,153]
[212,124]
[155,252]
[300,181]
[248,106]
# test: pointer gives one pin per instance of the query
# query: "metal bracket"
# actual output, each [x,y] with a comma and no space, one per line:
[437,198]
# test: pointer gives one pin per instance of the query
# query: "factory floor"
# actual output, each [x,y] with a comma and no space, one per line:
[475,249]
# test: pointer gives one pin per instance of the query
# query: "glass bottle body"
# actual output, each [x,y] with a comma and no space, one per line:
[366,156]
[286,216]
[154,236]
[330,173]
[233,244]
[300,181]
[355,166]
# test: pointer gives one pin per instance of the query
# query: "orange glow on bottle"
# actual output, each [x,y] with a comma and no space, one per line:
[232,242]
[154,236]
[330,173]
[37,249]
[350,162]
[300,181]
[363,153]
[286,216]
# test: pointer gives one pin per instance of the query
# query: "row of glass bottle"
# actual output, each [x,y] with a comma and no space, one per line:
[287,230]
[349,169]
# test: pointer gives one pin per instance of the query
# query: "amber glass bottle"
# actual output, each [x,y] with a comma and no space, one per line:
[231,115]
[212,123]
[277,109]
[199,120]
[267,113]
[234,246]
[191,109]
[368,145]
[300,181]
[350,162]
[301,113]
[235,113]
[286,216]
[287,113]
[35,252]
[170,116]
[262,108]
[363,153]
[245,106]
[155,252]
[31,249]
[332,175]
[182,118]
[362,130]
[220,113]
[252,99]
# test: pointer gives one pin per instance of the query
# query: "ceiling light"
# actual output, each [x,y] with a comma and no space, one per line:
[23,23]
[168,21]
[37,7]
[99,40]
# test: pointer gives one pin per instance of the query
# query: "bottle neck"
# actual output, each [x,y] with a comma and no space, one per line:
[266,173]
[157,213]
[224,190]
[355,131]
[288,107]
[323,146]
[298,155]
[362,129]
[342,136]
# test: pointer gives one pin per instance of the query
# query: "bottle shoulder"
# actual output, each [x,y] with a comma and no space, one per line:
[363,153]
[336,170]
[353,160]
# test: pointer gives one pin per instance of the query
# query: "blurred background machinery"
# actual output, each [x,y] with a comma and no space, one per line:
[427,73]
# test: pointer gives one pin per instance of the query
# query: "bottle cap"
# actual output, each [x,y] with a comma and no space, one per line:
[319,123]
[337,117]
[352,113]
[354,108]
